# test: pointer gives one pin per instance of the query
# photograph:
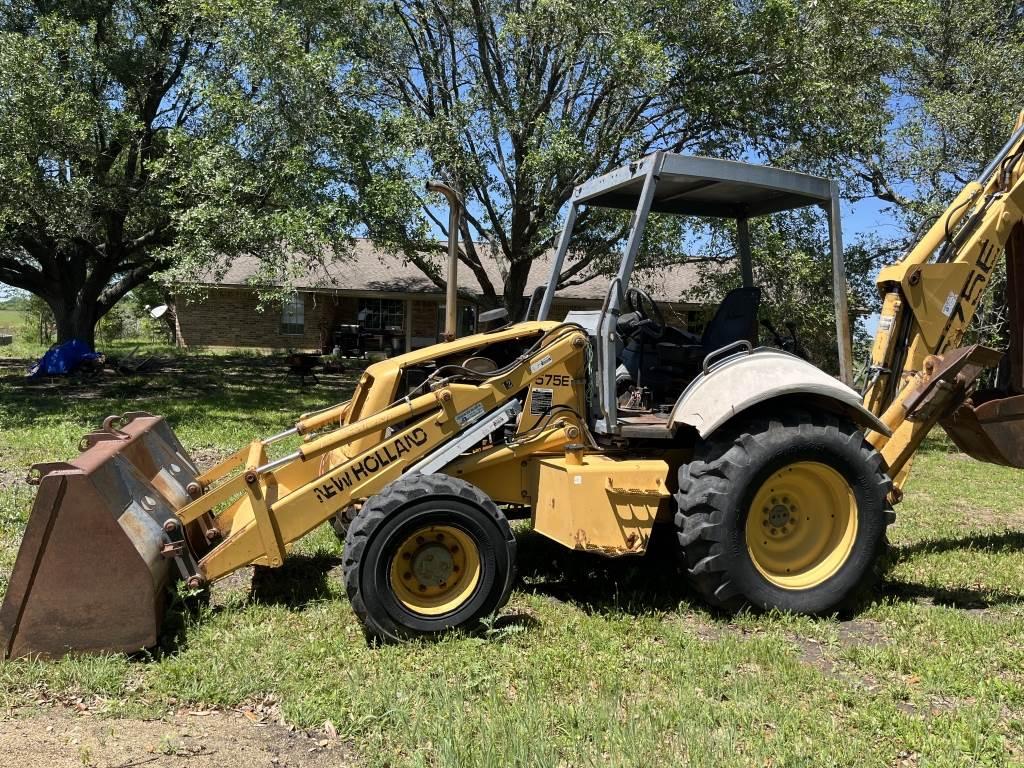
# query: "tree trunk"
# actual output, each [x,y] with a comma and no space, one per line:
[74,320]
[515,287]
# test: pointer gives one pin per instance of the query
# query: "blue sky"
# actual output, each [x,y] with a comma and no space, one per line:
[869,216]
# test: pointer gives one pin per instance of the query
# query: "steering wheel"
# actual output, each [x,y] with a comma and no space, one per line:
[652,321]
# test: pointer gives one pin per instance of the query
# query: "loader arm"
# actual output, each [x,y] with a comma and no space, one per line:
[918,374]
[273,503]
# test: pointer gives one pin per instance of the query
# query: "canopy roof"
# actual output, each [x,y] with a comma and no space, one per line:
[705,186]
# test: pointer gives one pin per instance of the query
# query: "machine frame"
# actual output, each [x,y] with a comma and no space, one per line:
[666,182]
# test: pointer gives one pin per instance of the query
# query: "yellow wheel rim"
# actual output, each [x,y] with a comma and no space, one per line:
[802,525]
[435,570]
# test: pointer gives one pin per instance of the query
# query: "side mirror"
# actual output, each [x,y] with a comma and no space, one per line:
[492,316]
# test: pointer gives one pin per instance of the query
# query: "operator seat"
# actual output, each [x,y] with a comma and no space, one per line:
[734,320]
[677,359]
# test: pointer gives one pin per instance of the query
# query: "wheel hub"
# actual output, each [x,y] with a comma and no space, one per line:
[801,525]
[779,516]
[435,569]
[432,565]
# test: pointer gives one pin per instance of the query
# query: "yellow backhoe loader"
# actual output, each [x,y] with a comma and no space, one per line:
[778,478]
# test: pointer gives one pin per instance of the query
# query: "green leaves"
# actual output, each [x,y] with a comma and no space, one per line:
[142,137]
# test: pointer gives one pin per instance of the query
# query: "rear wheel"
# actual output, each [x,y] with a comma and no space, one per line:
[787,513]
[427,554]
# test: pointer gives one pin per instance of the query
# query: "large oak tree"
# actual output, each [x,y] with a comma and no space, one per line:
[145,136]
[517,101]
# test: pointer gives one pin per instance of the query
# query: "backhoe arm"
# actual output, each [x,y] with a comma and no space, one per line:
[918,376]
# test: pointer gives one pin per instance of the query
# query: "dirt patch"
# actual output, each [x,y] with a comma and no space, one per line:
[862,632]
[61,738]
[10,478]
[207,457]
[850,633]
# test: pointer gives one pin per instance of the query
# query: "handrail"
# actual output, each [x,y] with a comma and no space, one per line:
[722,350]
[614,283]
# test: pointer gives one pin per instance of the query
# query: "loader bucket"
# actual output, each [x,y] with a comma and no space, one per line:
[99,547]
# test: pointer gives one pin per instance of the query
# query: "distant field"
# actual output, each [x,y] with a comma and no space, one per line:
[11,320]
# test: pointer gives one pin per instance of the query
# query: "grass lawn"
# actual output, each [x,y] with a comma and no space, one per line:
[595,663]
[11,321]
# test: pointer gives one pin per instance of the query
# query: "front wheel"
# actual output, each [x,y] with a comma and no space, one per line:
[427,554]
[786,513]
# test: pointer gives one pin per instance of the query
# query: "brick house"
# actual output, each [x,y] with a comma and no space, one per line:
[376,301]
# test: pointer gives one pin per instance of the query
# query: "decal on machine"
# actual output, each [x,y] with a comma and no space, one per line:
[546,360]
[947,308]
[473,413]
[367,466]
[540,401]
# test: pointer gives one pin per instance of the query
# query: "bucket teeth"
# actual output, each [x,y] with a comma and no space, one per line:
[96,558]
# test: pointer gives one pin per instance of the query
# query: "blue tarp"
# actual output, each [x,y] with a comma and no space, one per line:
[62,359]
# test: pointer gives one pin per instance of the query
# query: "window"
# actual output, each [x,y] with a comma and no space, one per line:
[695,321]
[293,316]
[466,318]
[382,314]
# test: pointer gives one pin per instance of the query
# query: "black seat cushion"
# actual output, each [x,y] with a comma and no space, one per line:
[734,320]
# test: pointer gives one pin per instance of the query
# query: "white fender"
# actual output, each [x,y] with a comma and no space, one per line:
[741,381]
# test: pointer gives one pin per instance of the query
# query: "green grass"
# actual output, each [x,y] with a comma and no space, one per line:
[593,662]
[10,318]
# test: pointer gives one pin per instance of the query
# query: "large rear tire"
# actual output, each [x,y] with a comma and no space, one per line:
[787,513]
[427,554]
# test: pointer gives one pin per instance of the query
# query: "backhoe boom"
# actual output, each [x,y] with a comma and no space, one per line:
[918,376]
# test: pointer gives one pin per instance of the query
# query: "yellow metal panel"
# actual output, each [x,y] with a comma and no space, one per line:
[933,290]
[603,504]
[501,471]
[270,520]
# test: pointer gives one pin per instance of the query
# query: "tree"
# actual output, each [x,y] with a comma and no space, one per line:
[958,86]
[518,102]
[143,136]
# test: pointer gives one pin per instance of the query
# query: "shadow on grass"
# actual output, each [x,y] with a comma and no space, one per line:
[633,584]
[177,387]
[655,581]
[303,579]
[955,597]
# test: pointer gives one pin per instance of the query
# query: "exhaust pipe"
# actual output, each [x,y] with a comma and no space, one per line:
[455,206]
